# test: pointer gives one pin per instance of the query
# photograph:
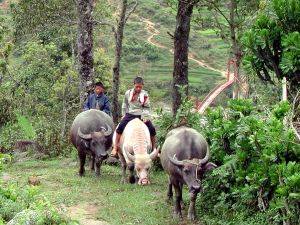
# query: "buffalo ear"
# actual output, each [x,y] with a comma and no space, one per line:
[209,166]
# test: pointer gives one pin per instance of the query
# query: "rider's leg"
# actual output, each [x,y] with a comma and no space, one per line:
[119,131]
[115,149]
[152,133]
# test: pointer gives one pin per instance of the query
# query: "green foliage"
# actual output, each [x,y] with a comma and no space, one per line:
[15,201]
[272,43]
[102,67]
[50,138]
[24,205]
[6,106]
[291,56]
[185,116]
[43,77]
[26,127]
[257,157]
[42,18]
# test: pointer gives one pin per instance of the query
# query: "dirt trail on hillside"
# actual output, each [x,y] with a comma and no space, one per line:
[150,26]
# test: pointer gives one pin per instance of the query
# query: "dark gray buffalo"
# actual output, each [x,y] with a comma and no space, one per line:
[184,156]
[91,133]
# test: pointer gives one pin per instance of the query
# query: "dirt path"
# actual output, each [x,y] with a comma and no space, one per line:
[85,214]
[150,26]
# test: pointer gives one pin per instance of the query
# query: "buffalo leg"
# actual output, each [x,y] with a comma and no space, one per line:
[131,173]
[97,168]
[124,166]
[181,201]
[92,163]
[178,193]
[82,157]
[170,191]
[192,212]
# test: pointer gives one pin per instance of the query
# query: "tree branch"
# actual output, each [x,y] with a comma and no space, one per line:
[131,11]
[218,10]
[172,36]
[222,33]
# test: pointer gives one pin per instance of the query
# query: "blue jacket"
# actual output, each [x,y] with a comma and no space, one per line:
[102,100]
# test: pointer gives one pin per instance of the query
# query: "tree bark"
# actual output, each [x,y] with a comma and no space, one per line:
[85,45]
[181,47]
[116,68]
[235,48]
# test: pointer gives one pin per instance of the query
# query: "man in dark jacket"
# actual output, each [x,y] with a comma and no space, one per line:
[98,100]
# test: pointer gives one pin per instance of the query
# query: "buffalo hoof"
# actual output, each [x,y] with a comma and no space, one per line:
[97,174]
[123,181]
[191,216]
[80,174]
[177,215]
[182,205]
[169,200]
[132,179]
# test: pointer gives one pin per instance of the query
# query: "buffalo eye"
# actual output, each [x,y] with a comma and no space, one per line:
[186,170]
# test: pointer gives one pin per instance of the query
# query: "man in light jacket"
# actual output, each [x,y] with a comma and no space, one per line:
[136,104]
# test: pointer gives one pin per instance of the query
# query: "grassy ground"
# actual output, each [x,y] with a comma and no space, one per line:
[109,200]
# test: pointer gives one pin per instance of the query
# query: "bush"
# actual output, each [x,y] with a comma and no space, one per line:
[257,157]
[258,174]
[26,206]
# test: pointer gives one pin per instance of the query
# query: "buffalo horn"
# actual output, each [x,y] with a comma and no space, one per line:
[84,136]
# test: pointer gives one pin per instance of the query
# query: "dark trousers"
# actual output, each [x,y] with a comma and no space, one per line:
[128,117]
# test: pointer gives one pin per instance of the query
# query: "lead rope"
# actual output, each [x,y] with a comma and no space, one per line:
[197,167]
[195,162]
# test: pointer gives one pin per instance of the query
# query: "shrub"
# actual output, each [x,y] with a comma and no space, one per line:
[258,172]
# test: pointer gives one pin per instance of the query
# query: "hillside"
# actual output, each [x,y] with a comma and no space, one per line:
[147,50]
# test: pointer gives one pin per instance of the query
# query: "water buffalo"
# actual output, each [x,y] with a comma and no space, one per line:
[91,133]
[135,144]
[184,156]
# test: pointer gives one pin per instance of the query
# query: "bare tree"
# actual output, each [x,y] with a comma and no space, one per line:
[85,44]
[181,48]
[125,10]
[118,33]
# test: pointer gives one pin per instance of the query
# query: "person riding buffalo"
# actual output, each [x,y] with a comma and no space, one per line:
[136,104]
[98,99]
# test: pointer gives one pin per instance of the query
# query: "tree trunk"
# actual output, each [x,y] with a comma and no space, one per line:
[284,89]
[181,47]
[64,119]
[116,68]
[235,48]
[85,44]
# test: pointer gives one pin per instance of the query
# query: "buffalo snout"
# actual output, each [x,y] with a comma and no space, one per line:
[195,187]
